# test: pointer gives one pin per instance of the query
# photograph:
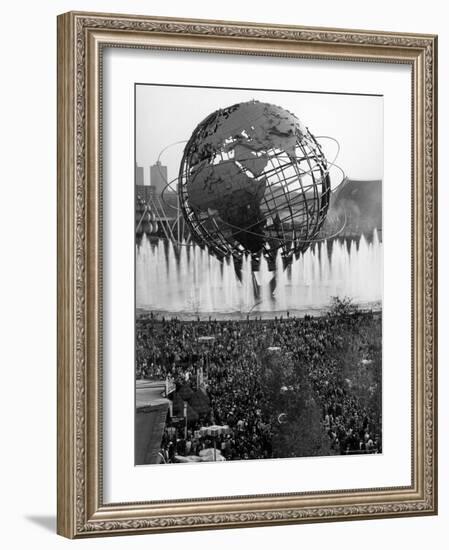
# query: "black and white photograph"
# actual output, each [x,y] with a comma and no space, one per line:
[258,274]
[229,331]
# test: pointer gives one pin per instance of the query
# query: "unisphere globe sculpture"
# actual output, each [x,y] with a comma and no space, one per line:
[253,180]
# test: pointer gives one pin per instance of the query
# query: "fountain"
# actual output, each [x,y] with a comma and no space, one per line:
[190,282]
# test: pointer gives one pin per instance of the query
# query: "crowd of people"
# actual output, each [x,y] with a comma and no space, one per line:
[229,354]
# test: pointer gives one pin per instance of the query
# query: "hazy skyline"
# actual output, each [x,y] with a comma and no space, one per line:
[167,115]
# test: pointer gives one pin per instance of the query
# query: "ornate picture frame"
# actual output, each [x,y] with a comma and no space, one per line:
[82,40]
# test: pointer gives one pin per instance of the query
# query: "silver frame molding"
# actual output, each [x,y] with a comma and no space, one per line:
[81,38]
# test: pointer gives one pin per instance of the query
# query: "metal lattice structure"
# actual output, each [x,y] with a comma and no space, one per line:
[145,218]
[253,180]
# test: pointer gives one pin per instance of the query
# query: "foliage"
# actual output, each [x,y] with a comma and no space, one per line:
[289,392]
[342,307]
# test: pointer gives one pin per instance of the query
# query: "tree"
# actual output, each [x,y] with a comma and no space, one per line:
[289,393]
[342,307]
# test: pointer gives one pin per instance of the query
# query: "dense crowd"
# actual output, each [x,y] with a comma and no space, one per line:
[231,360]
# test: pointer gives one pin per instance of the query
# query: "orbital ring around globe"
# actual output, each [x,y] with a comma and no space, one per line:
[253,181]
[330,164]
[172,186]
[174,181]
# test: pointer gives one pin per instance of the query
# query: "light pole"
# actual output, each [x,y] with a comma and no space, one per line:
[205,340]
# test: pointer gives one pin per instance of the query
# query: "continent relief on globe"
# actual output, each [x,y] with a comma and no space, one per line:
[227,180]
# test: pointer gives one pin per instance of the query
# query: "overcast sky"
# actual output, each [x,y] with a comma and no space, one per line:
[168,114]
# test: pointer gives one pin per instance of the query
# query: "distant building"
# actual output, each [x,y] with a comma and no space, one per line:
[162,204]
[145,192]
[139,175]
[158,177]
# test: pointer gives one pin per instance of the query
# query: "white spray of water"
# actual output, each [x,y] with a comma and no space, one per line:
[196,282]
